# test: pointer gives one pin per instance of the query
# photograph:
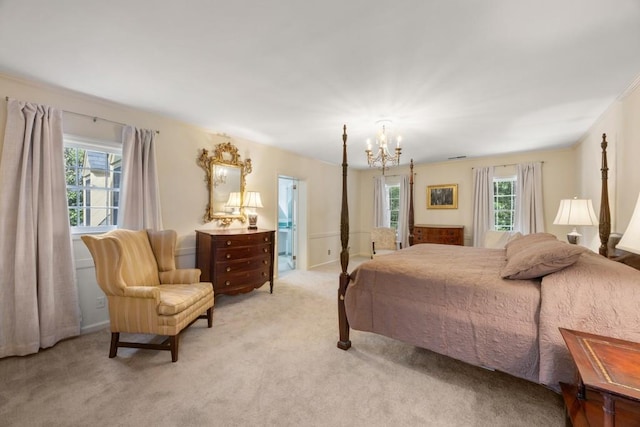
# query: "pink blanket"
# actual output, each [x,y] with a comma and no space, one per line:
[451,300]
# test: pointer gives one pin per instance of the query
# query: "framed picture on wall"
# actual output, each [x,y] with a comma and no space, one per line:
[442,196]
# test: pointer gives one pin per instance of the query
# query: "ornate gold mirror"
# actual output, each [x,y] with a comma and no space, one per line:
[225,178]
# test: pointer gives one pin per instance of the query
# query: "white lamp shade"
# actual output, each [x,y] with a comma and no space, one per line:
[630,241]
[252,200]
[576,212]
[234,200]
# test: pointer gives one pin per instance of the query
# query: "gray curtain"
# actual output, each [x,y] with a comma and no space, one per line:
[380,203]
[140,198]
[529,210]
[483,213]
[38,293]
[403,219]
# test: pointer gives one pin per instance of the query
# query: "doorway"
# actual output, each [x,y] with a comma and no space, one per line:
[288,189]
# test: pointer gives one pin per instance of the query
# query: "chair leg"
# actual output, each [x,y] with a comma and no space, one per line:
[173,343]
[210,317]
[115,337]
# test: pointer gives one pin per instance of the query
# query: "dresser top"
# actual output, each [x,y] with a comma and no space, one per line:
[233,231]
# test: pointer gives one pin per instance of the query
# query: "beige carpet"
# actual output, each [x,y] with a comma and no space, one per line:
[269,360]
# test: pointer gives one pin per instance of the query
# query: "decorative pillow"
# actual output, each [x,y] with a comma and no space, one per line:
[523,241]
[541,258]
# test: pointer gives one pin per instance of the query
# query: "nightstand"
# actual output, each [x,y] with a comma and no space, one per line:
[608,389]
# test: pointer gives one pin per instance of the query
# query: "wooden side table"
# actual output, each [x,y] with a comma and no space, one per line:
[608,389]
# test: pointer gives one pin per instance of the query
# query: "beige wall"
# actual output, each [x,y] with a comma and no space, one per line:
[182,188]
[621,123]
[558,183]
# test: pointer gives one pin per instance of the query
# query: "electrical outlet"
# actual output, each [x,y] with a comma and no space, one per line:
[101,302]
[329,252]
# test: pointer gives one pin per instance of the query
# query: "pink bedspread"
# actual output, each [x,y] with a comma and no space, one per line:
[451,300]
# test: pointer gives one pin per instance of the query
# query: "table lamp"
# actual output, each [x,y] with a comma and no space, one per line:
[575,212]
[630,241]
[234,202]
[252,201]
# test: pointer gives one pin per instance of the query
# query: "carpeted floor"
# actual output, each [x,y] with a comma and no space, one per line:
[269,360]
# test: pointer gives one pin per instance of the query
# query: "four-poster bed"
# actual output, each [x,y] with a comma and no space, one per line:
[497,308]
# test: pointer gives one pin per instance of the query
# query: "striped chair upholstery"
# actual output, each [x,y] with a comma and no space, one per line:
[146,293]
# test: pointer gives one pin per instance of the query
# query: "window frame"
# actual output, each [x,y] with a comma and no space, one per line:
[514,180]
[93,144]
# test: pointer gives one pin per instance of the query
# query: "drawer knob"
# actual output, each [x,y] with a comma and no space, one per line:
[228,269]
[228,242]
[264,274]
[265,250]
[265,262]
[266,239]
[228,256]
[227,283]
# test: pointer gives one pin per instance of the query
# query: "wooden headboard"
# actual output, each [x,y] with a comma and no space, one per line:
[344,342]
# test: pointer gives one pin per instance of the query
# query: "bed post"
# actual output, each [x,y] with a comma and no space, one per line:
[411,203]
[605,216]
[343,323]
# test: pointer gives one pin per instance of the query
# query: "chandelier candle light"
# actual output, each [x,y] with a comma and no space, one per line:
[383,158]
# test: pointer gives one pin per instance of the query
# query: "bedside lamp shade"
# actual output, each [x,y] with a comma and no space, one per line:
[252,201]
[575,212]
[630,241]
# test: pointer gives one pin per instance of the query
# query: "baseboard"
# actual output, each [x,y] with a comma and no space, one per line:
[94,328]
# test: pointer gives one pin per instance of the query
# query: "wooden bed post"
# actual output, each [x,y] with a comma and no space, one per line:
[343,323]
[411,203]
[605,216]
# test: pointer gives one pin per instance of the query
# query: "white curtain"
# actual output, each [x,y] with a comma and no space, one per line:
[529,211]
[483,214]
[140,198]
[38,293]
[380,202]
[403,215]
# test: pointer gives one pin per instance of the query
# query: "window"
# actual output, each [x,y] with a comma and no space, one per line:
[504,203]
[393,195]
[93,172]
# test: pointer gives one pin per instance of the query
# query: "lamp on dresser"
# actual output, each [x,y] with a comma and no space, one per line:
[575,212]
[234,202]
[252,201]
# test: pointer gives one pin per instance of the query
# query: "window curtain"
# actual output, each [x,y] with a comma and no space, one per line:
[380,202]
[38,294]
[403,215]
[140,198]
[483,214]
[529,210]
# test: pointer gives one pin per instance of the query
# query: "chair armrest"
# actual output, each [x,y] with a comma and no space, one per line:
[180,276]
[143,292]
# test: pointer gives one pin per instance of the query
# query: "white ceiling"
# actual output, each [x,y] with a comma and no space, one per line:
[458,77]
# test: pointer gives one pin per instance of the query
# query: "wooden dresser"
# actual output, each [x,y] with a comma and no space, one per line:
[443,234]
[237,260]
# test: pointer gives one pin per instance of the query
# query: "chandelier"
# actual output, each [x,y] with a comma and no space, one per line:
[383,158]
[219,176]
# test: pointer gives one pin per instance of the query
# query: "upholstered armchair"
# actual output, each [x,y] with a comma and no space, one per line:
[384,240]
[146,294]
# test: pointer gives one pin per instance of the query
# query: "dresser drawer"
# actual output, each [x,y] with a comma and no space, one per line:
[231,267]
[242,278]
[230,253]
[242,240]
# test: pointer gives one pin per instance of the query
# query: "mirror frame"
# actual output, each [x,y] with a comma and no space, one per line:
[224,154]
